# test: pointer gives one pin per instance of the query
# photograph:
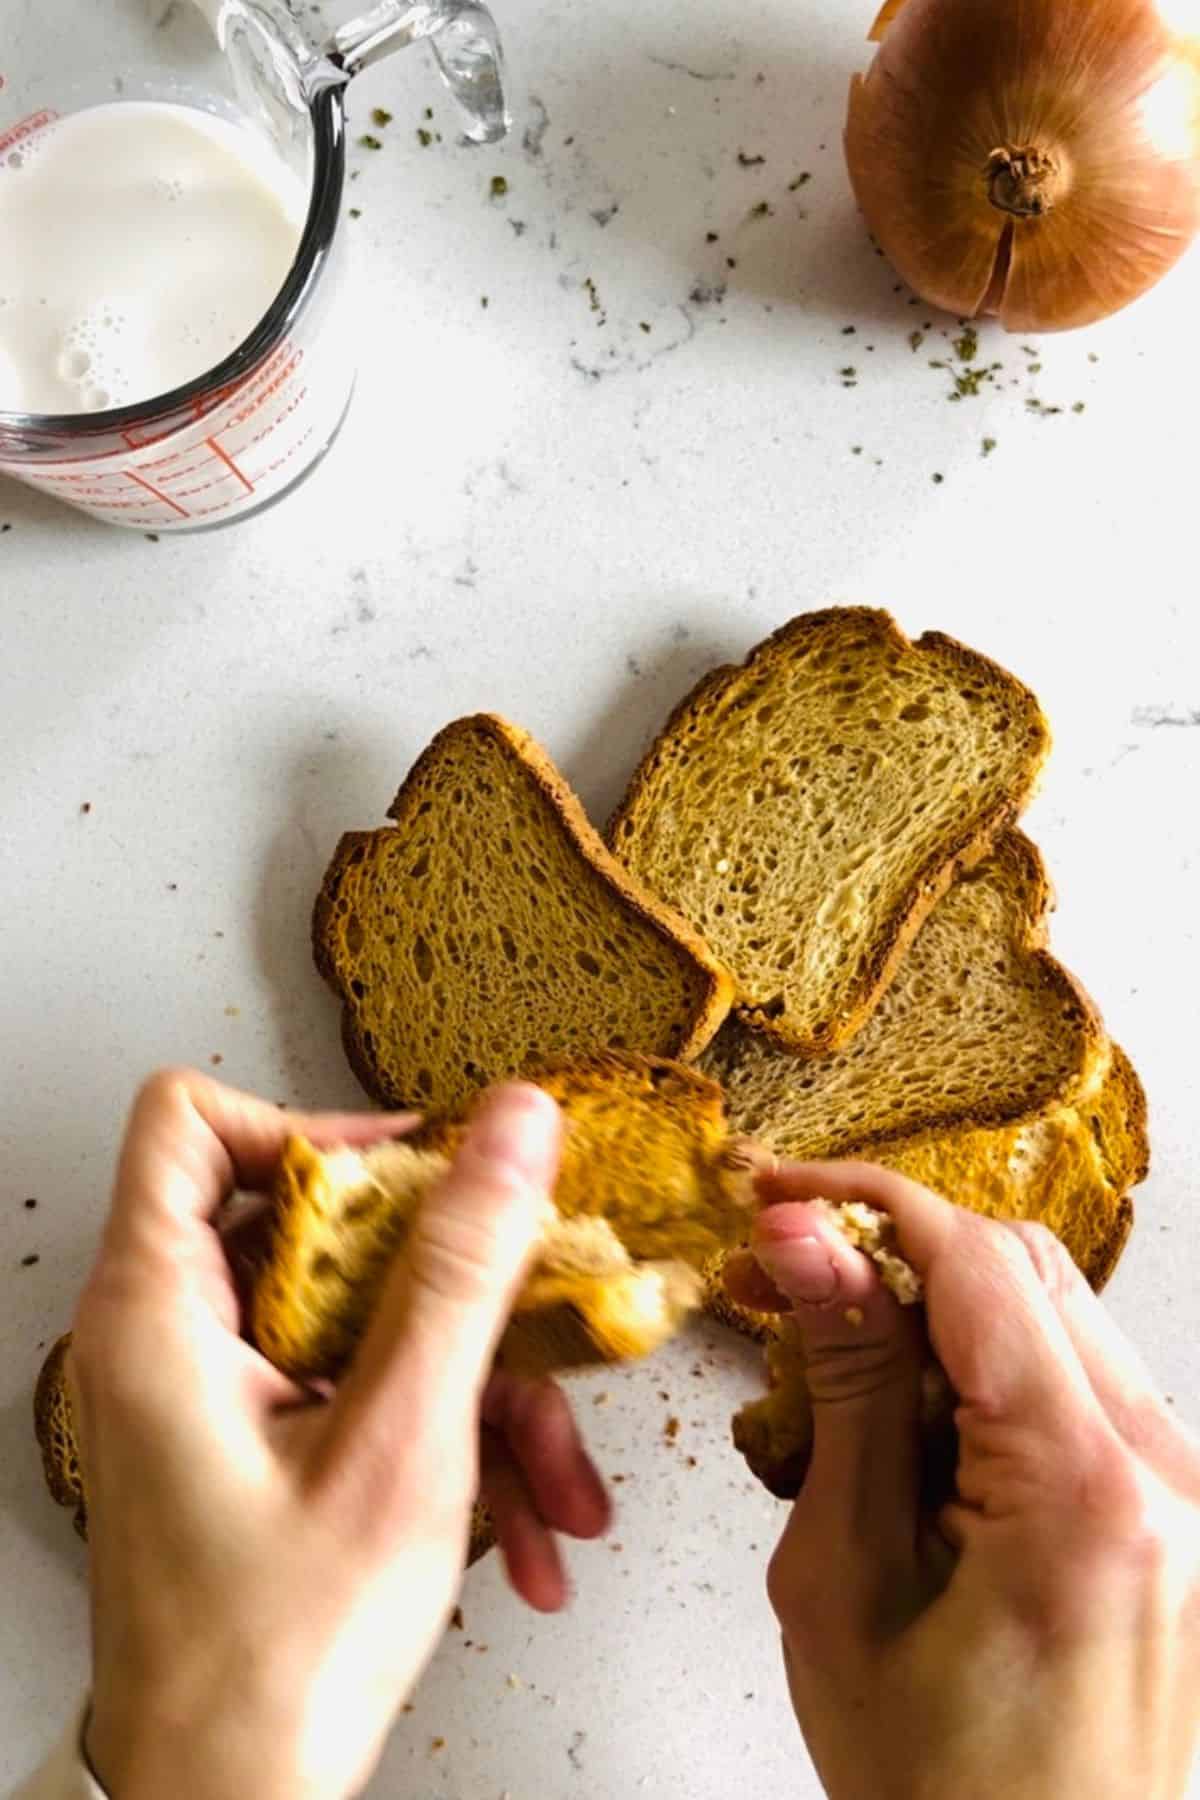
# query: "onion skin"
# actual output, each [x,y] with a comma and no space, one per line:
[1036,159]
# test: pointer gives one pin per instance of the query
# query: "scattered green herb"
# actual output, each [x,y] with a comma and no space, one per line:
[499,187]
[1079,407]
[750,162]
[989,444]
[483,301]
[966,347]
[731,262]
[424,137]
[370,143]
[763,210]
[710,237]
[429,112]
[380,116]
[938,480]
[849,330]
[969,384]
[642,325]
[856,449]
[356,212]
[1092,357]
[800,180]
[915,340]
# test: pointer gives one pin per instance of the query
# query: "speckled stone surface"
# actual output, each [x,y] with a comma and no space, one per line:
[642,453]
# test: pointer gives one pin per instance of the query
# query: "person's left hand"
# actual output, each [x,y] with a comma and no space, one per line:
[272,1569]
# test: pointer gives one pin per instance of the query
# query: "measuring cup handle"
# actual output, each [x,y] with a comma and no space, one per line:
[465,43]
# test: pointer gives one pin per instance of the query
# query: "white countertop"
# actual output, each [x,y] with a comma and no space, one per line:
[541,508]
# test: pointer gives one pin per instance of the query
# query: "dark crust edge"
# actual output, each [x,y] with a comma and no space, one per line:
[1136,1122]
[1014,844]
[1107,1255]
[676,932]
[51,1380]
[939,872]
[52,1377]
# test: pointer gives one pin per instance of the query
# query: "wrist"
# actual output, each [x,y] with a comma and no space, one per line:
[148,1748]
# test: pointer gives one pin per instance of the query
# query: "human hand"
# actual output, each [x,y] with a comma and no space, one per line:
[1040,1635]
[271,1568]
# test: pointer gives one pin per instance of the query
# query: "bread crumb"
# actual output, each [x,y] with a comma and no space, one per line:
[854,1315]
[723,865]
[600,1399]
[671,1429]
[231,1012]
[514,1682]
[874,1233]
[436,1744]
[692,1463]
[456,1619]
[216,1058]
[86,807]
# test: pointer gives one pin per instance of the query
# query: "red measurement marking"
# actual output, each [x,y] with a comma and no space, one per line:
[225,457]
[158,495]
[26,128]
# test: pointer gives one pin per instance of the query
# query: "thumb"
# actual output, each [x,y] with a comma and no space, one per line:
[864,1357]
[429,1350]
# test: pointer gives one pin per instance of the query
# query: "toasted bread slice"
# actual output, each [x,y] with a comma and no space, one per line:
[648,1190]
[54,1424]
[489,928]
[806,810]
[979,1026]
[62,1465]
[1070,1170]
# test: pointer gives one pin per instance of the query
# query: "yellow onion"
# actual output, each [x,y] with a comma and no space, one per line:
[1037,159]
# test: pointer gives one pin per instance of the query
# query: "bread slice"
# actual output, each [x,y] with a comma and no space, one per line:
[806,809]
[1070,1169]
[54,1425]
[649,1189]
[62,1465]
[979,1026]
[490,928]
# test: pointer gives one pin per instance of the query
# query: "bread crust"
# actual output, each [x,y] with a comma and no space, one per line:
[718,983]
[960,853]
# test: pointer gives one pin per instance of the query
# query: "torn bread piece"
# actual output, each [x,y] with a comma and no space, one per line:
[774,1434]
[650,1187]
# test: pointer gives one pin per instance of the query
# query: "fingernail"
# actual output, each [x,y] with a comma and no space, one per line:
[517,1129]
[801,1269]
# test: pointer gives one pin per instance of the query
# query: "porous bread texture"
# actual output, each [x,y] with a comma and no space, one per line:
[490,928]
[54,1426]
[649,1188]
[1069,1169]
[979,1025]
[806,809]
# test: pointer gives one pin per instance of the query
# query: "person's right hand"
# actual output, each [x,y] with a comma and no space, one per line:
[1041,1636]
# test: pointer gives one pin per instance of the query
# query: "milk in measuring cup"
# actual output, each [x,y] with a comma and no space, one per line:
[140,243]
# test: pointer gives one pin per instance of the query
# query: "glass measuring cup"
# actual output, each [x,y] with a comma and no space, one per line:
[248,430]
